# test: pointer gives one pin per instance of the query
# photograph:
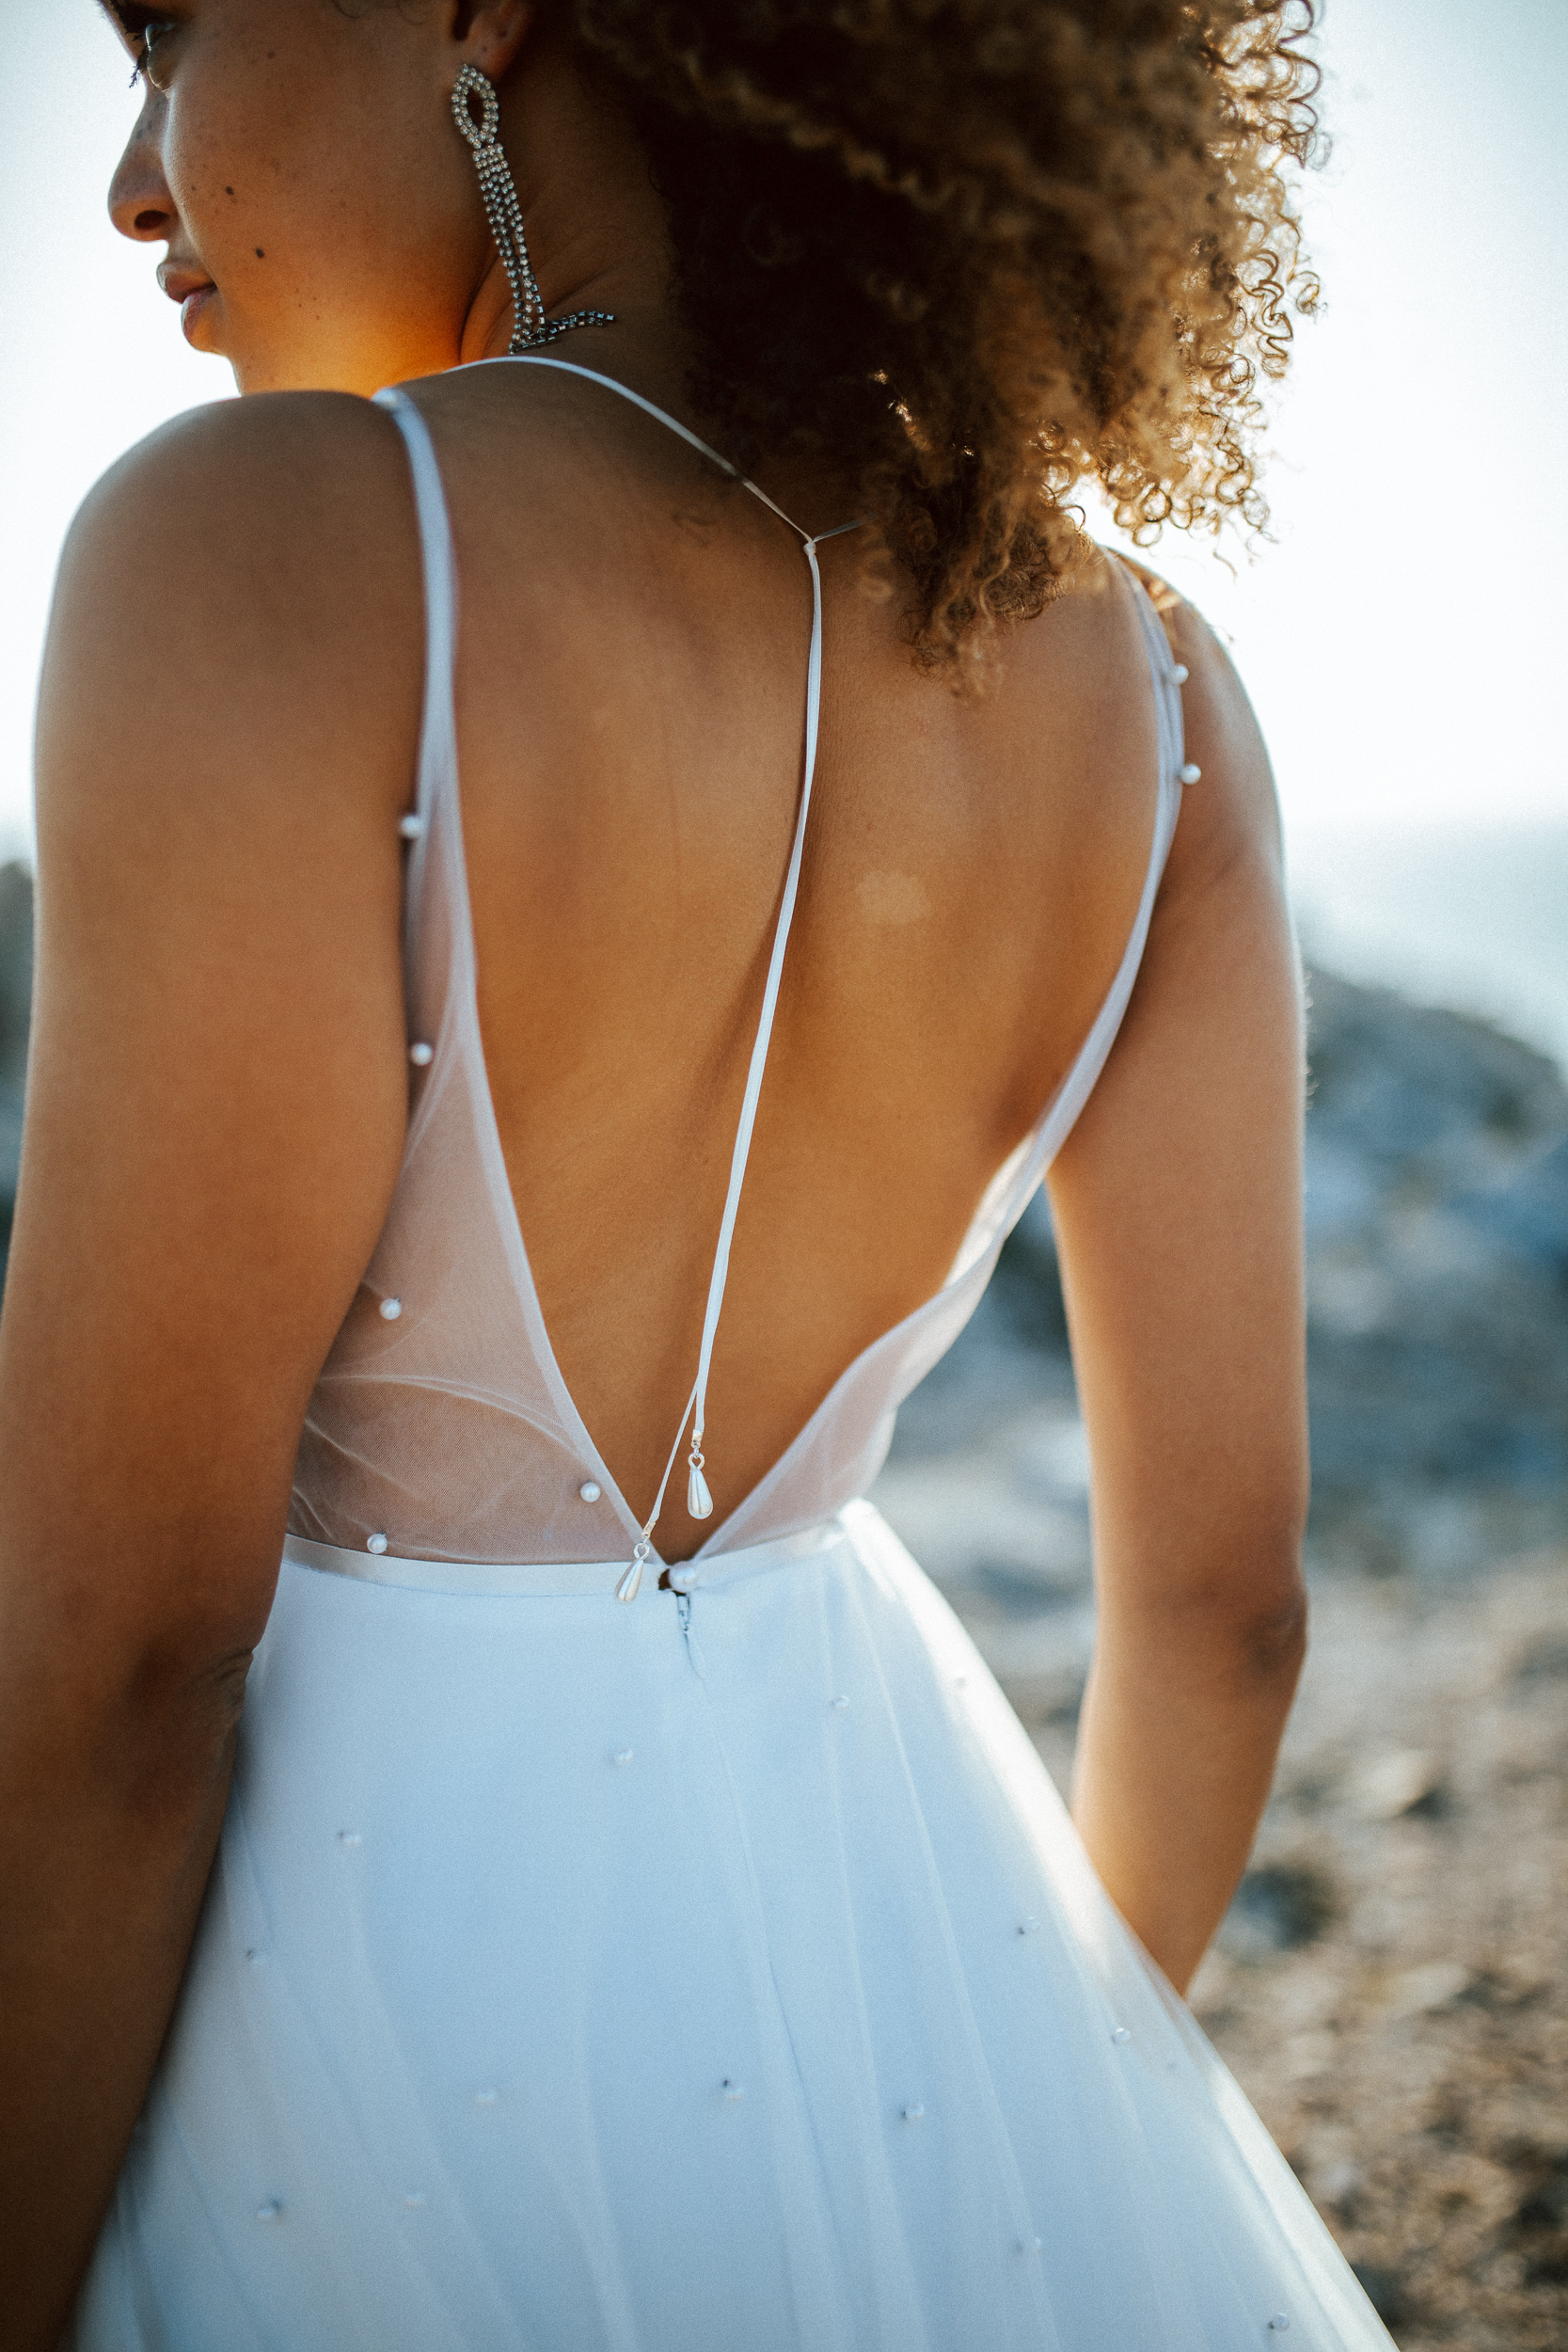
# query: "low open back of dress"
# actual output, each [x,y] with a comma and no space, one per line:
[441,1428]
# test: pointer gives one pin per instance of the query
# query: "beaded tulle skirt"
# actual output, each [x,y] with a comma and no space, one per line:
[719,1973]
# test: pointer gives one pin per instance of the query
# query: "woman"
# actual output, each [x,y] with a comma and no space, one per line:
[624,1912]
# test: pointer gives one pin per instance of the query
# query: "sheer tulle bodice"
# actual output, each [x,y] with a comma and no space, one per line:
[441,1428]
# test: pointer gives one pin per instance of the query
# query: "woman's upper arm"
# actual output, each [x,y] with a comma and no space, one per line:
[1178,1205]
[217,1090]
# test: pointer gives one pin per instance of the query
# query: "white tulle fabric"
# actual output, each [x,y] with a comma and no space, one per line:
[717,1972]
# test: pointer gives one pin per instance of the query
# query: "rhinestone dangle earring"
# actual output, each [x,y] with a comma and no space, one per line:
[530,328]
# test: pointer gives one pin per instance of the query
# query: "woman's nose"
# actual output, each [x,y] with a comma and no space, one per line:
[140,205]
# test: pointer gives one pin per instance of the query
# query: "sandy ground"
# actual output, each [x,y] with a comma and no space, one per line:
[1391,1986]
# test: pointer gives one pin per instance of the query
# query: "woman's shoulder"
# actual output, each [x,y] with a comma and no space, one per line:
[239,496]
[242,586]
[235,445]
[229,719]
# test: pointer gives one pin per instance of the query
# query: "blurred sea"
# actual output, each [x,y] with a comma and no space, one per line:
[1474,917]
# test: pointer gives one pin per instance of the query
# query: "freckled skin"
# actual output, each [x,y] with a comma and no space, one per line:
[382,297]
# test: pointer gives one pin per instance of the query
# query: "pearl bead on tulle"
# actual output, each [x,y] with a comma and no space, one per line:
[376,1543]
[411,826]
[421,1054]
[391,1310]
[1180,674]
[590,1490]
[1191,772]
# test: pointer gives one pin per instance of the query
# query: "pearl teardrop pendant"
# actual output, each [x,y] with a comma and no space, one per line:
[699,1502]
[631,1582]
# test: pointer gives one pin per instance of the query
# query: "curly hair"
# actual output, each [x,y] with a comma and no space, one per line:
[976,252]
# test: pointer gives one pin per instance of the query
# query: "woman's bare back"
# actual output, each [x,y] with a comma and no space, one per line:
[631,682]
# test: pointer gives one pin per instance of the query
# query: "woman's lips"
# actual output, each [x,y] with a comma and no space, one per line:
[190,288]
[192,307]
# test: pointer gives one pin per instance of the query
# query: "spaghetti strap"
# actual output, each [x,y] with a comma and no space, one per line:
[1166,679]
[662,416]
[699,1498]
[439,729]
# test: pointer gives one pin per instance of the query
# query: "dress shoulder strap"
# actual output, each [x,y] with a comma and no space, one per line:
[438,726]
[1166,677]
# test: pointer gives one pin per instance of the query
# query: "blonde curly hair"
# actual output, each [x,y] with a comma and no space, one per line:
[978,252]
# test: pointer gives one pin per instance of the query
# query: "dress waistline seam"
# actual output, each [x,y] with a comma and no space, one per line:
[563,1579]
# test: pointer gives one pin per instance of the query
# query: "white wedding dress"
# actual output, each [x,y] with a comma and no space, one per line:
[716,1971]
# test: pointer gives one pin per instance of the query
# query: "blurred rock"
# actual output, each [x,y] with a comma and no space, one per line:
[1406,1781]
[1540,2225]
[1278,1907]
[1544,1660]
[1437,1287]
[1339,2185]
[1385,2291]
[1417,1991]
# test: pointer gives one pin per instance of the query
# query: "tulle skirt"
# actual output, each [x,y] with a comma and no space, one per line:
[719,1973]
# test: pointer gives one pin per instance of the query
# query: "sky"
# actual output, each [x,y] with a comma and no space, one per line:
[1403,636]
